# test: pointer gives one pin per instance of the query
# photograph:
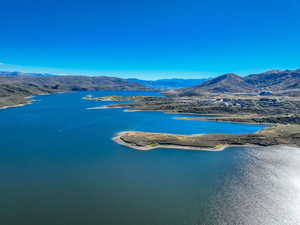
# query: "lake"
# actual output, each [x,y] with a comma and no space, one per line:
[59,166]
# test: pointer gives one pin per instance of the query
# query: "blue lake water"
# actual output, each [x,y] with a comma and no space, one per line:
[59,166]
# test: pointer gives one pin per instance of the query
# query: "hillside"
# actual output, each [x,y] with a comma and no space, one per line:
[286,82]
[275,79]
[14,88]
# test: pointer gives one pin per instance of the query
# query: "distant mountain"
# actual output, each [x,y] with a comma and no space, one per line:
[21,74]
[45,84]
[165,84]
[156,84]
[285,82]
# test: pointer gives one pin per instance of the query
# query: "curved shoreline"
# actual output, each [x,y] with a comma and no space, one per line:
[273,136]
[13,106]
[119,141]
[219,119]
[28,99]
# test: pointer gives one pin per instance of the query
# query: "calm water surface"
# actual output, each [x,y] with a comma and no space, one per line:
[58,166]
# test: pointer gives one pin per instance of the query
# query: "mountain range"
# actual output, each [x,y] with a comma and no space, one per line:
[49,84]
[161,84]
[165,84]
[282,82]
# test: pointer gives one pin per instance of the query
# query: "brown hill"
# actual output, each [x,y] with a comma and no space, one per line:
[275,79]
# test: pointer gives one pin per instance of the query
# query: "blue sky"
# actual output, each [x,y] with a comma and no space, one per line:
[149,39]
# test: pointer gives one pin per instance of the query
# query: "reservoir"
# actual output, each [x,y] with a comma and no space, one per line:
[59,166]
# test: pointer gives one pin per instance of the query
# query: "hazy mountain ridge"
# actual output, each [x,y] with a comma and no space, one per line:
[19,74]
[171,83]
[285,82]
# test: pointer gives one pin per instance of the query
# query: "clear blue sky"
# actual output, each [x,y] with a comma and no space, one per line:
[149,39]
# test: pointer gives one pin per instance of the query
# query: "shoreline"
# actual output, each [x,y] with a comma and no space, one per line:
[102,107]
[29,100]
[132,109]
[209,119]
[279,135]
[119,141]
[205,117]
[13,106]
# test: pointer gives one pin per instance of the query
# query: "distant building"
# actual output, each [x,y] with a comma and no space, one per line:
[266,93]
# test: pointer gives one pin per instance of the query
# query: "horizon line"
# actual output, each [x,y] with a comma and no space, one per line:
[131,75]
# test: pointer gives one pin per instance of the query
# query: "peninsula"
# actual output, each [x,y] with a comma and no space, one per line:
[277,135]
